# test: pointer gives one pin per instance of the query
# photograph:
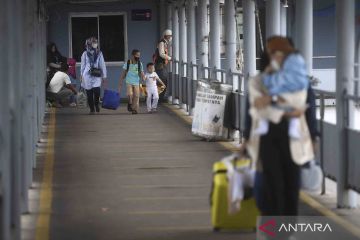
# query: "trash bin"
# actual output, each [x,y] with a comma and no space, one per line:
[209,110]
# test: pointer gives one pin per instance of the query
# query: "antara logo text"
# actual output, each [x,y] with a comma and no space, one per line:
[305,227]
[270,227]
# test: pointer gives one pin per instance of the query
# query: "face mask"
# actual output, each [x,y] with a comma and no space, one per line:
[136,58]
[275,65]
[94,45]
[170,39]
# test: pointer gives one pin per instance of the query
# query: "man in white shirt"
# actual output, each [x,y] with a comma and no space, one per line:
[60,87]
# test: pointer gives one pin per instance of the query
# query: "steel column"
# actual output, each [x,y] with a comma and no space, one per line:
[183,47]
[272,17]
[304,30]
[283,21]
[230,35]
[215,34]
[345,49]
[203,34]
[16,68]
[191,48]
[5,166]
[249,39]
[175,48]
[162,17]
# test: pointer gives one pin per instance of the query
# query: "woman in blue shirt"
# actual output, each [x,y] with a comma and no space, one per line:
[133,72]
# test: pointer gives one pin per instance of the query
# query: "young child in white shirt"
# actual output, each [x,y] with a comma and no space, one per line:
[151,79]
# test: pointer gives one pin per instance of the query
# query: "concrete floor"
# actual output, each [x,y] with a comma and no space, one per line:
[120,176]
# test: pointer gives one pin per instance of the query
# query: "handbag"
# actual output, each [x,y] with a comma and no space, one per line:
[311,176]
[95,72]
[81,98]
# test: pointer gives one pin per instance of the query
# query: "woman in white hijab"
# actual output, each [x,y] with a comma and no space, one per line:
[93,73]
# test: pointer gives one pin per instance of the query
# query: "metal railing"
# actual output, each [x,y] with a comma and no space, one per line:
[184,81]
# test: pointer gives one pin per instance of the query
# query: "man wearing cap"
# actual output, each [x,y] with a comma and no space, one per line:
[162,58]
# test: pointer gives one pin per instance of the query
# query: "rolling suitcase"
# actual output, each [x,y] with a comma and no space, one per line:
[245,219]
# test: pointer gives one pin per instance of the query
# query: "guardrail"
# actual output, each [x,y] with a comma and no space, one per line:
[185,78]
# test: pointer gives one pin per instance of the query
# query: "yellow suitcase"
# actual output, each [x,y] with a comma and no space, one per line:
[245,219]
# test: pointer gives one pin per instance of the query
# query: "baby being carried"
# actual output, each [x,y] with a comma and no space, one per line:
[289,83]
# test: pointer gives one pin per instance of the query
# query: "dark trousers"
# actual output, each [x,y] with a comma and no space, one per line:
[281,176]
[93,96]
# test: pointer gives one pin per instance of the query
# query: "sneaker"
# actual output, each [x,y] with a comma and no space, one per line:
[154,110]
[91,113]
[72,105]
[149,111]
[129,108]
[134,112]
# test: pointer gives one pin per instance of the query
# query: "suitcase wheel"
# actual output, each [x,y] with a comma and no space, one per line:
[216,229]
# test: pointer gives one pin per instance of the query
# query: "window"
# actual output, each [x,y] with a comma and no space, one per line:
[109,29]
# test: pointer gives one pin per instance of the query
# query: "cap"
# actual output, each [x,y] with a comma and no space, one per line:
[167,32]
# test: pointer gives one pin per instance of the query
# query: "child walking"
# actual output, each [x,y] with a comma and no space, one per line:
[151,79]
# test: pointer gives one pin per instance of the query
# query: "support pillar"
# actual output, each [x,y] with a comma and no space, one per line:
[191,33]
[182,33]
[304,31]
[272,18]
[283,20]
[175,48]
[191,48]
[203,34]
[16,99]
[183,47]
[215,34]
[249,39]
[5,160]
[162,17]
[345,27]
[169,25]
[230,34]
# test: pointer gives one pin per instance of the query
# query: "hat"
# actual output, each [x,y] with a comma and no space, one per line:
[167,32]
[278,43]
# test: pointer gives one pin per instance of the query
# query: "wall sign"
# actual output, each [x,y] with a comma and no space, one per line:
[141,15]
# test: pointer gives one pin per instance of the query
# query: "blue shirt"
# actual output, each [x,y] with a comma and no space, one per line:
[310,115]
[292,77]
[132,76]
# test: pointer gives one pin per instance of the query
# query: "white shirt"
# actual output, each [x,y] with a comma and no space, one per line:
[88,81]
[59,80]
[150,79]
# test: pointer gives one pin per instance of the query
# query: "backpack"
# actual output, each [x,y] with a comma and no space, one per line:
[156,56]
[128,66]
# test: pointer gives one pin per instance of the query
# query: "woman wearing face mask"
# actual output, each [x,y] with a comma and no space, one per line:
[273,97]
[93,73]
[133,72]
[162,58]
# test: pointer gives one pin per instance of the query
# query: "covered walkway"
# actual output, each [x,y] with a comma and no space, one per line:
[65,175]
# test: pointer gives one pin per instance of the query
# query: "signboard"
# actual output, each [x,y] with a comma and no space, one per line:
[141,15]
[209,115]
